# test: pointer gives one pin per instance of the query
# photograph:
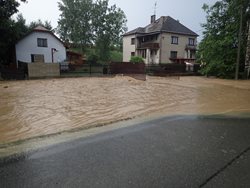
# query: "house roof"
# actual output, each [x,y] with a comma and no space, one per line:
[41,29]
[164,24]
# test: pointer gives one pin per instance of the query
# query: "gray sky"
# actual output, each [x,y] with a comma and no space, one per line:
[138,12]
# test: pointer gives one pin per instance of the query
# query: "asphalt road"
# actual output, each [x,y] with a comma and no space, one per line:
[167,152]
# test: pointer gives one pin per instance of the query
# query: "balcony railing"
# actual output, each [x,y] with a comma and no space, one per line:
[149,46]
[191,47]
[183,60]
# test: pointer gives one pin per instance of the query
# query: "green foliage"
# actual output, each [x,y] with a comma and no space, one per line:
[85,22]
[136,59]
[46,24]
[218,49]
[11,30]
[8,8]
[108,24]
[92,57]
[75,22]
[116,56]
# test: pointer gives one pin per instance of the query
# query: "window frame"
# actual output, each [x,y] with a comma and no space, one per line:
[191,43]
[132,41]
[174,40]
[42,42]
[173,52]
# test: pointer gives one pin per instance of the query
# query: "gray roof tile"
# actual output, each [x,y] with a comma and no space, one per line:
[163,24]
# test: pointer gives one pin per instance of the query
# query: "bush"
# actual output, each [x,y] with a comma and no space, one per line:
[92,57]
[116,56]
[218,69]
[136,59]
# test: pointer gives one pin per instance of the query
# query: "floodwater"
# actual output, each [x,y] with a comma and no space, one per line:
[42,107]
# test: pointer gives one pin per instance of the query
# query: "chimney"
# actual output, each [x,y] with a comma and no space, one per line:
[153,18]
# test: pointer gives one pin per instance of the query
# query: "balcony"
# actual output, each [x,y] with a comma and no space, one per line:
[148,45]
[182,60]
[191,47]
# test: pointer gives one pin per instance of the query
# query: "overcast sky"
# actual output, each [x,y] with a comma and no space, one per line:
[138,12]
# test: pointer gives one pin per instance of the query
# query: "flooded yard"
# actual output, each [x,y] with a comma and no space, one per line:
[42,107]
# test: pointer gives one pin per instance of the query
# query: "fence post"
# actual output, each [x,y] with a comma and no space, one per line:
[90,71]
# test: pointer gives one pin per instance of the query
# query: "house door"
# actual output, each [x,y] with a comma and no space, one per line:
[35,58]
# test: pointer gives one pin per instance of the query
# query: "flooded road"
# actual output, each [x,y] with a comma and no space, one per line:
[41,107]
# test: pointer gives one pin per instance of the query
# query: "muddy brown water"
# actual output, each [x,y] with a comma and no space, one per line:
[41,107]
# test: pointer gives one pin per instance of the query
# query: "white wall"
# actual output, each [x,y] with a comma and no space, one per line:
[155,57]
[128,48]
[28,46]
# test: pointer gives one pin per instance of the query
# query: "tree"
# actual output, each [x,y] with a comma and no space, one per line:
[109,23]
[8,8]
[75,21]
[20,27]
[218,49]
[8,28]
[85,22]
[46,24]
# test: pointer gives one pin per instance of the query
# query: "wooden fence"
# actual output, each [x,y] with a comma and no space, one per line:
[11,72]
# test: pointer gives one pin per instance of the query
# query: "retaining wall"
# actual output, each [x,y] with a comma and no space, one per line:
[43,70]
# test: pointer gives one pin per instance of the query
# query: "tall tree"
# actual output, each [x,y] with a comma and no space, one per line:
[8,28]
[108,23]
[218,49]
[86,22]
[75,21]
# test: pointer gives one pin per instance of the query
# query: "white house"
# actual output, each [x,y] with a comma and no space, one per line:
[40,45]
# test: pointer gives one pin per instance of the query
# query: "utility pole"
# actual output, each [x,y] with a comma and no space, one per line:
[247,63]
[239,44]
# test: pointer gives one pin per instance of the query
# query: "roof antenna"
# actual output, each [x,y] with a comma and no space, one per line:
[153,17]
[155,8]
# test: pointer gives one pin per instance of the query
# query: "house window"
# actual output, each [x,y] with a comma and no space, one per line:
[37,58]
[174,40]
[132,54]
[132,41]
[42,42]
[173,54]
[191,42]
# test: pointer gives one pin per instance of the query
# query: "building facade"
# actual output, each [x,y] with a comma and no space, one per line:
[40,45]
[164,40]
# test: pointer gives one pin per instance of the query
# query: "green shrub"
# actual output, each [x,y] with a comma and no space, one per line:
[92,57]
[136,59]
[116,56]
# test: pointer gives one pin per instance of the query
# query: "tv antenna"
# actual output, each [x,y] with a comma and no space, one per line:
[155,7]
